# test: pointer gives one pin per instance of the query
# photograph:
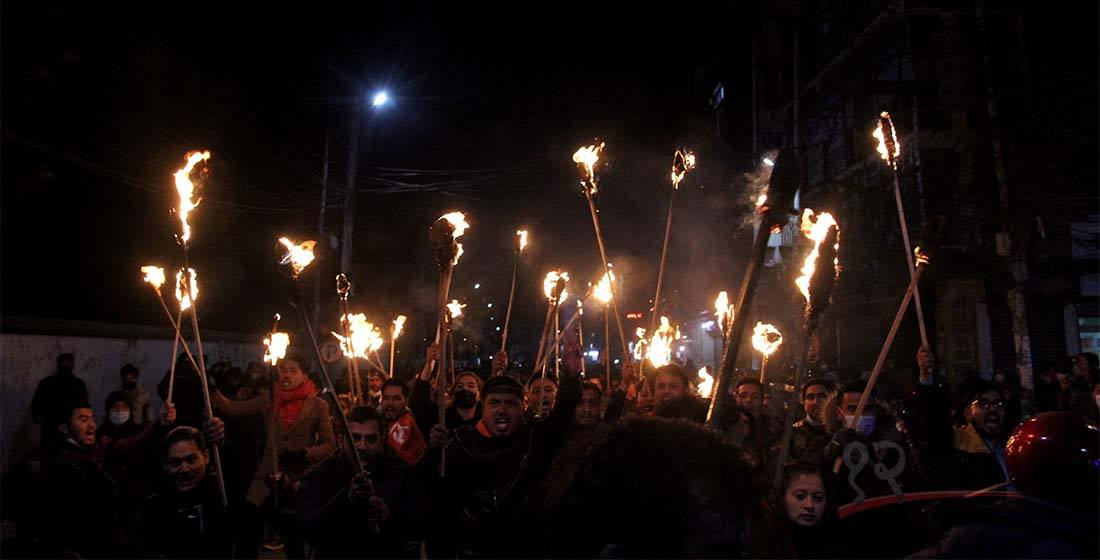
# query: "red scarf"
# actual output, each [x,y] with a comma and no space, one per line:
[288,404]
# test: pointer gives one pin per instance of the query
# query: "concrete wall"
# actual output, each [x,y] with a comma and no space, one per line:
[100,350]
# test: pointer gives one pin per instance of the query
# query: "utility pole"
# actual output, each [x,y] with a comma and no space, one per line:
[321,233]
[349,193]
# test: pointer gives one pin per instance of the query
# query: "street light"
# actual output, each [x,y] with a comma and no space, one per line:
[378,101]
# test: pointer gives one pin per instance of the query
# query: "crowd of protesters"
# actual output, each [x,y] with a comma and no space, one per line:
[521,464]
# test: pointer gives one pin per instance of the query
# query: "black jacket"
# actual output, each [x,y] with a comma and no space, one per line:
[63,502]
[427,413]
[175,524]
[482,503]
[337,528]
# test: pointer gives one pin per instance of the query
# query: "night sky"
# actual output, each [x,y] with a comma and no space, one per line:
[101,104]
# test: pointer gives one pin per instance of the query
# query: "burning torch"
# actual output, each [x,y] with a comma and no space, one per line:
[553,287]
[521,244]
[154,276]
[446,250]
[296,258]
[355,385]
[766,339]
[185,188]
[395,331]
[889,149]
[818,278]
[783,182]
[586,158]
[682,162]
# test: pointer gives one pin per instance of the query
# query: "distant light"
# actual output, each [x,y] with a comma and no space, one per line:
[380,99]
[681,348]
[616,361]
[707,325]
[769,162]
[477,286]
[498,329]
[490,306]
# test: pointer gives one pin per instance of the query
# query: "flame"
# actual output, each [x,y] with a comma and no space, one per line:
[550,285]
[398,324]
[760,200]
[365,337]
[920,256]
[722,308]
[659,349]
[458,221]
[186,190]
[154,275]
[682,163]
[522,239]
[458,253]
[815,229]
[883,150]
[297,256]
[639,346]
[192,282]
[587,156]
[455,308]
[706,386]
[766,338]
[276,346]
[602,291]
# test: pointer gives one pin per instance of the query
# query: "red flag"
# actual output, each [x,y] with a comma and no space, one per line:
[405,439]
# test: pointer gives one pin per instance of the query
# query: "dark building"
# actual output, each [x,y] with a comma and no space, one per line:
[995,105]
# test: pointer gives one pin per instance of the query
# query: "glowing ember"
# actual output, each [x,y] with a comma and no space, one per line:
[766,338]
[815,228]
[682,163]
[587,157]
[192,294]
[186,190]
[297,256]
[761,200]
[276,346]
[458,221]
[659,349]
[455,308]
[398,325]
[722,308]
[602,291]
[706,386]
[365,337]
[154,275]
[884,151]
[554,285]
[521,236]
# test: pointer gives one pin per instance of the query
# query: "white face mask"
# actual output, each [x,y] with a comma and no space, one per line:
[119,418]
[864,427]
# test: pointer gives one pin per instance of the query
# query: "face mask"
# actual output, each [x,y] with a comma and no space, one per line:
[119,418]
[864,427]
[465,399]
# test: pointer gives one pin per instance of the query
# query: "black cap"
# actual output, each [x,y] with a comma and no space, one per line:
[502,384]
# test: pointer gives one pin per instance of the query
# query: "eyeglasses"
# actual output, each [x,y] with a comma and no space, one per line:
[989,405]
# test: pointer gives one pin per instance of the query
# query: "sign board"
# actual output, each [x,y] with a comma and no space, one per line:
[330,352]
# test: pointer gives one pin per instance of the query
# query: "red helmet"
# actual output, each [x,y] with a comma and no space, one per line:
[1055,456]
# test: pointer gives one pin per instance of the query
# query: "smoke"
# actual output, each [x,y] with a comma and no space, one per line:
[753,185]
